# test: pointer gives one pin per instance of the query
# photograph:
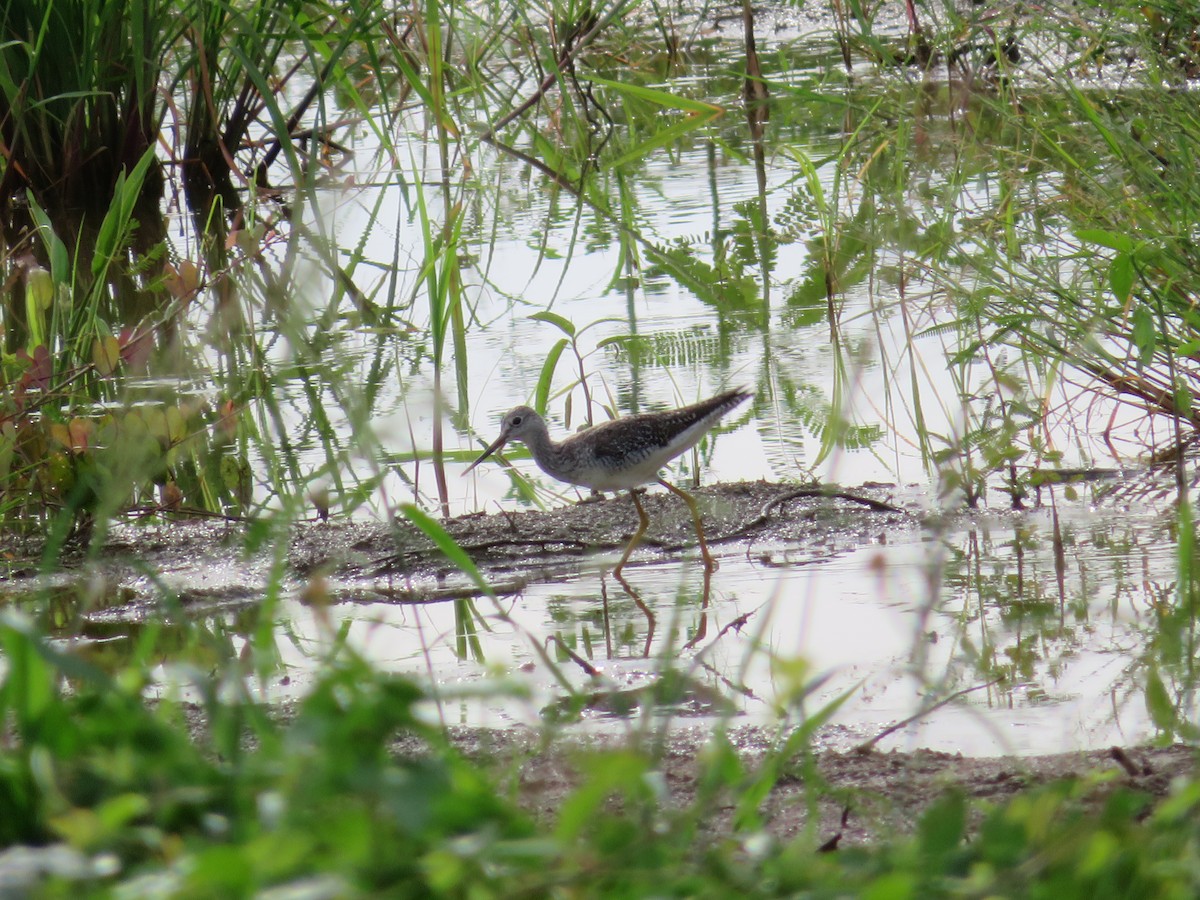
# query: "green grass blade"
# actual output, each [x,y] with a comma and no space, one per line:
[444,542]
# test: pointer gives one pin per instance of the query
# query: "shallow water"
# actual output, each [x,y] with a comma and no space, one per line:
[1028,655]
[902,622]
[854,618]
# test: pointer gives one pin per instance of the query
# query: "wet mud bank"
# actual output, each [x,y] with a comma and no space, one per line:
[864,795]
[516,548]
[205,564]
[201,568]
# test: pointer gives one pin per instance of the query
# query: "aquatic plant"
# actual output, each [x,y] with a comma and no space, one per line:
[958,184]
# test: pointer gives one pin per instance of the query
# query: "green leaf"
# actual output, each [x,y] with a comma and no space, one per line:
[1144,335]
[1120,242]
[563,324]
[1183,399]
[616,340]
[662,98]
[56,250]
[1158,703]
[1120,277]
[892,886]
[620,773]
[663,138]
[118,221]
[941,828]
[804,734]
[546,377]
[446,544]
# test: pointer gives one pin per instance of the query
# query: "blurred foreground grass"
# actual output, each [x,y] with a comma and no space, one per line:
[103,794]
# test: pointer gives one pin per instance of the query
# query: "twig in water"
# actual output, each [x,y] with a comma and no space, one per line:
[736,625]
[575,657]
[866,746]
[832,844]
[1130,767]
[869,502]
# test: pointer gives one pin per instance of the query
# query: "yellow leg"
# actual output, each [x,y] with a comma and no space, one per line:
[702,626]
[709,563]
[637,598]
[643,524]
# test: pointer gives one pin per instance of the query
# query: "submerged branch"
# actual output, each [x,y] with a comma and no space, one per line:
[1156,399]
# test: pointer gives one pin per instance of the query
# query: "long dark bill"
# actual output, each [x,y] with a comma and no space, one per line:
[496,445]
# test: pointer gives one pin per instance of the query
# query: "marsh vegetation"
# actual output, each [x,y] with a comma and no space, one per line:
[271,273]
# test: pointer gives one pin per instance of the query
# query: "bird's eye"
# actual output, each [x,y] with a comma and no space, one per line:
[516,420]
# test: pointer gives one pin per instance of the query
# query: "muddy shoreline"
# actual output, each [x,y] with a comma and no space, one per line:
[884,792]
[863,796]
[203,561]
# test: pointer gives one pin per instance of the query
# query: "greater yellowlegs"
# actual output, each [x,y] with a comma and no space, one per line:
[622,454]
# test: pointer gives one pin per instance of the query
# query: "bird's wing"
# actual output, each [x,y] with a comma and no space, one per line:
[636,438]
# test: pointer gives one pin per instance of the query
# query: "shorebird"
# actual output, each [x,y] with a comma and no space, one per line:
[623,454]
